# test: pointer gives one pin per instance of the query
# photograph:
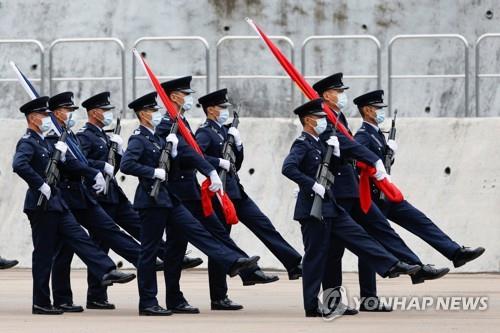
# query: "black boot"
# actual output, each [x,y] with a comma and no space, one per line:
[402,268]
[241,264]
[116,276]
[5,263]
[100,305]
[428,272]
[154,311]
[46,310]
[184,308]
[69,307]
[466,254]
[188,262]
[259,277]
[225,304]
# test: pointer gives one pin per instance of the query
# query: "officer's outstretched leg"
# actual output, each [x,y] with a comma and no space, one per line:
[260,225]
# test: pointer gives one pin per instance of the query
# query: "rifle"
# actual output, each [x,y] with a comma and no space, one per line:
[113,150]
[52,171]
[389,153]
[164,160]
[323,177]
[227,150]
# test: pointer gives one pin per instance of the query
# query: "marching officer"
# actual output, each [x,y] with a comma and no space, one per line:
[371,107]
[87,211]
[211,137]
[53,222]
[165,212]
[184,184]
[301,166]
[6,263]
[346,191]
[95,145]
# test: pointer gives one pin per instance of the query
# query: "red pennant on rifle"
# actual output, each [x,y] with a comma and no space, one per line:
[366,171]
[227,205]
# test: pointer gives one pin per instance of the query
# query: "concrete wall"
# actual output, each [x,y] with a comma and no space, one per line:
[128,20]
[465,203]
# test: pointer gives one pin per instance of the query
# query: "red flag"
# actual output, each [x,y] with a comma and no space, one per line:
[227,205]
[366,171]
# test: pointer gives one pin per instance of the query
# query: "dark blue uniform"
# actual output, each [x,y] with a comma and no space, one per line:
[403,213]
[346,191]
[211,138]
[165,213]
[301,166]
[87,211]
[183,183]
[95,145]
[56,223]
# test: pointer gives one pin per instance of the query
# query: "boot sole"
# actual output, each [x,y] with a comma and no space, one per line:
[249,264]
[423,279]
[252,283]
[409,272]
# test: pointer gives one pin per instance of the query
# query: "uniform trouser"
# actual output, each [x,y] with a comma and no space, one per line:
[320,237]
[103,229]
[260,225]
[216,272]
[128,218]
[177,222]
[48,229]
[376,224]
[413,220]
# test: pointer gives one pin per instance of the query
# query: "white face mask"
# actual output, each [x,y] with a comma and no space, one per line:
[156,118]
[223,116]
[342,101]
[188,102]
[108,118]
[321,125]
[45,125]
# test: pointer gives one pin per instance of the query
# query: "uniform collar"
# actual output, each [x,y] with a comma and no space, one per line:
[311,136]
[146,131]
[214,123]
[373,126]
[35,134]
[94,128]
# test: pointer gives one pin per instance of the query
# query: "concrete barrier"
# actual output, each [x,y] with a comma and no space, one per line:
[447,167]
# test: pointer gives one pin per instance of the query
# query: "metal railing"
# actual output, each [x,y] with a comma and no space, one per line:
[477,65]
[115,41]
[196,39]
[369,38]
[40,50]
[465,75]
[285,39]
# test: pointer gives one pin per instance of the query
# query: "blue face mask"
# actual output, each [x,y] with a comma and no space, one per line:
[156,118]
[320,126]
[223,116]
[342,101]
[108,118]
[45,125]
[188,102]
[69,121]
[380,117]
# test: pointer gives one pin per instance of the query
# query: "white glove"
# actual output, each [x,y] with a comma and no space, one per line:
[236,134]
[63,148]
[381,172]
[393,145]
[216,183]
[118,140]
[334,142]
[45,189]
[175,141]
[100,184]
[319,190]
[224,164]
[160,174]
[109,169]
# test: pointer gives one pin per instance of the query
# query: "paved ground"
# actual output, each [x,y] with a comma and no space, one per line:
[275,308]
